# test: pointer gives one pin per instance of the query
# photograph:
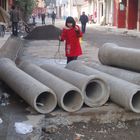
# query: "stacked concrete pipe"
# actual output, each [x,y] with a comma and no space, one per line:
[122,92]
[130,76]
[39,96]
[69,97]
[113,55]
[94,89]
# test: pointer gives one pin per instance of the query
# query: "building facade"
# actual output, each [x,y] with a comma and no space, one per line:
[6,4]
[127,14]
[118,13]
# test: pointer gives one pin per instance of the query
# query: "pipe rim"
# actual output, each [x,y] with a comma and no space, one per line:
[72,105]
[135,102]
[101,93]
[49,99]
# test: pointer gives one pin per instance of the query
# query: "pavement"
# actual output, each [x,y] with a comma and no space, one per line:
[60,22]
[4,39]
[118,30]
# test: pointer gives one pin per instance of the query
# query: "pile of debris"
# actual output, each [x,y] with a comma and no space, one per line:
[47,32]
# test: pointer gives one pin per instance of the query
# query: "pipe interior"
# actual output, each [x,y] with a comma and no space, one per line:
[93,90]
[136,101]
[72,100]
[46,101]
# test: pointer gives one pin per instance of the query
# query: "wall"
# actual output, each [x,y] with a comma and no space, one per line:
[138,20]
[6,4]
[109,12]
[132,14]
[3,4]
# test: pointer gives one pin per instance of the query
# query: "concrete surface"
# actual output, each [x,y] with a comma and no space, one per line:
[4,39]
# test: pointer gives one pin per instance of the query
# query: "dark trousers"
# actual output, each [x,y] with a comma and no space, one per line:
[71,58]
[2,30]
[43,20]
[53,21]
[15,28]
[83,28]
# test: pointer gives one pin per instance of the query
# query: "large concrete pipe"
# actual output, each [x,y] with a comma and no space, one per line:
[122,92]
[127,75]
[11,48]
[94,89]
[39,96]
[69,97]
[113,55]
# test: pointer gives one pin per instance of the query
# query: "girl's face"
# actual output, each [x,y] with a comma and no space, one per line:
[69,25]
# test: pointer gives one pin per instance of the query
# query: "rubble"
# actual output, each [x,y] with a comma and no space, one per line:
[47,32]
[4,99]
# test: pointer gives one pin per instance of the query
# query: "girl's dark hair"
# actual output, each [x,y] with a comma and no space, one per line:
[70,20]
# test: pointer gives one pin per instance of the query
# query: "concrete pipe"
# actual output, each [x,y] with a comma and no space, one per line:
[11,48]
[40,97]
[113,55]
[69,97]
[94,89]
[129,76]
[123,93]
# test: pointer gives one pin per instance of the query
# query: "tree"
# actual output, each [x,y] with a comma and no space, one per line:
[26,7]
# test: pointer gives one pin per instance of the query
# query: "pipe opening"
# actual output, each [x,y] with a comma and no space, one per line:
[136,101]
[73,101]
[93,90]
[46,102]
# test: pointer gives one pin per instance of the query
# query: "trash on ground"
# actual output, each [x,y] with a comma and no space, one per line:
[50,129]
[78,136]
[23,128]
[39,104]
[1,121]
[4,99]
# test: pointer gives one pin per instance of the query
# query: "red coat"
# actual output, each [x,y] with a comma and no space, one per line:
[72,46]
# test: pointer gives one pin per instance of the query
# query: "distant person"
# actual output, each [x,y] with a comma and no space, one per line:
[33,17]
[39,15]
[90,19]
[71,34]
[43,16]
[83,20]
[14,17]
[95,16]
[2,29]
[53,16]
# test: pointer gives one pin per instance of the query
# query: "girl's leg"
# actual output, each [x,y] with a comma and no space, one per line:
[71,58]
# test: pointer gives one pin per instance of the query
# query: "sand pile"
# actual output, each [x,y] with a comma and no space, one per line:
[47,32]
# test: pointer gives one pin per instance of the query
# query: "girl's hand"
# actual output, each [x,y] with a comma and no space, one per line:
[76,28]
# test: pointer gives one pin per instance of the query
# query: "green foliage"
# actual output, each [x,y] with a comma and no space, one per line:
[26,7]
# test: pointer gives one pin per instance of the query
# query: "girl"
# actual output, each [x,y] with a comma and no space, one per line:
[71,34]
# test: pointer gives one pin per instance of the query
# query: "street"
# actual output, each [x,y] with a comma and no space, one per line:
[98,36]
[107,122]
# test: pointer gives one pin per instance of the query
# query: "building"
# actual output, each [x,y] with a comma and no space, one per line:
[6,4]
[127,14]
[40,8]
[118,13]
